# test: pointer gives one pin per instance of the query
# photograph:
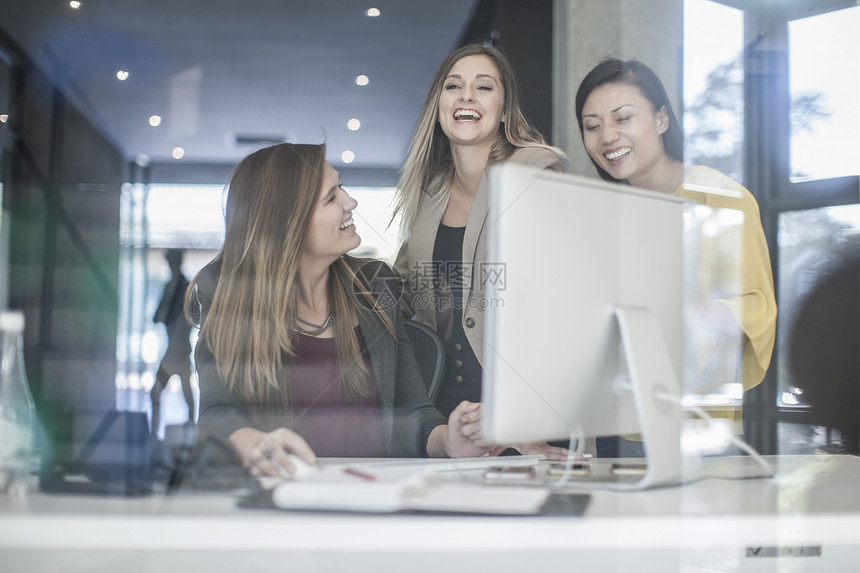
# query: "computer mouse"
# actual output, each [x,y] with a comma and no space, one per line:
[303,468]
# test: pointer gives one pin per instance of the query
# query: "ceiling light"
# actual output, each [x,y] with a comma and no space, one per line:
[347,156]
[353,124]
[155,120]
[122,75]
[142,159]
[362,80]
[75,4]
[177,153]
[4,118]
[373,12]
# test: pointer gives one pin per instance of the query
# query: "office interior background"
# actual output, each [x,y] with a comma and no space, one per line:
[120,122]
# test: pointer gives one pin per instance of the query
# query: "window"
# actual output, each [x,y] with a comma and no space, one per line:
[714,87]
[378,238]
[824,59]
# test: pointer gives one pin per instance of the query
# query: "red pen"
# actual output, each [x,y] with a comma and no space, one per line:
[359,473]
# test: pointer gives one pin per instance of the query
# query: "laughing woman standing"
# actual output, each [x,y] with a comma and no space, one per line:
[471,120]
[296,355]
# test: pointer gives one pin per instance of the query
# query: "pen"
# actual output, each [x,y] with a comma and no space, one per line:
[359,473]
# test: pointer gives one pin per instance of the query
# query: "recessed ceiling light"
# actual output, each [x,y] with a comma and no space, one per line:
[362,80]
[353,124]
[178,153]
[142,159]
[75,4]
[347,156]
[373,12]
[4,118]
[155,120]
[122,75]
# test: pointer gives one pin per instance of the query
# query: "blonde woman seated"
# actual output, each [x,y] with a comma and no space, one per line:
[296,355]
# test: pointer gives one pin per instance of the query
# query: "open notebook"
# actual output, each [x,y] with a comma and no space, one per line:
[394,486]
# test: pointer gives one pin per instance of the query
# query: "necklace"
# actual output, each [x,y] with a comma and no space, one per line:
[318,328]
[460,187]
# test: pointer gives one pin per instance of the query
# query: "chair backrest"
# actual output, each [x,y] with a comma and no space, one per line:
[430,355]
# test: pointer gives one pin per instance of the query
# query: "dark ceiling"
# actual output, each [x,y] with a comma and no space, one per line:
[223,74]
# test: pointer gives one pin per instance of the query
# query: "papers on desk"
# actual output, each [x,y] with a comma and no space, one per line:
[387,487]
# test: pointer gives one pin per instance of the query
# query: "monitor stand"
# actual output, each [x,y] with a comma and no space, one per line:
[656,394]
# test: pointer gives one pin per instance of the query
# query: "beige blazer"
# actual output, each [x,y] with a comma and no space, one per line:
[414,260]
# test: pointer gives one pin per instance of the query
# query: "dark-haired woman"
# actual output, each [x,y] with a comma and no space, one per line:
[632,136]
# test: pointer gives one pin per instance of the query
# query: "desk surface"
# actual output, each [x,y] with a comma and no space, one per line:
[811,505]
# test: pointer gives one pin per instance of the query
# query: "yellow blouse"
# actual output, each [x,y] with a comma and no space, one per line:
[734,265]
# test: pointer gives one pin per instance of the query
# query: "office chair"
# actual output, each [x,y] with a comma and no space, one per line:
[430,355]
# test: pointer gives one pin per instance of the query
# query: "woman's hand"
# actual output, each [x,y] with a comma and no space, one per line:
[465,437]
[461,437]
[268,453]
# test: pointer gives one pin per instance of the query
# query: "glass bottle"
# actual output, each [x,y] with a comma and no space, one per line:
[17,413]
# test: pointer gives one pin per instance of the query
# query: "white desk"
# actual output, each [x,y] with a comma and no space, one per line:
[710,525]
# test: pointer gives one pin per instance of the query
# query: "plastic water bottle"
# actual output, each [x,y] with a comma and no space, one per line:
[17,413]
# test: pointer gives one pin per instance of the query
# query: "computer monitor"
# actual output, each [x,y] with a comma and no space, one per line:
[584,313]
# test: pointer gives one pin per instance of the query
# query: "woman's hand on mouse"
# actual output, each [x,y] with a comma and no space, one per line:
[270,453]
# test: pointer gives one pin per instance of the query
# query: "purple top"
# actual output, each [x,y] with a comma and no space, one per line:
[332,426]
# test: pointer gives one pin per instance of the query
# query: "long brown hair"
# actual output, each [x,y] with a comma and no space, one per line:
[271,195]
[429,155]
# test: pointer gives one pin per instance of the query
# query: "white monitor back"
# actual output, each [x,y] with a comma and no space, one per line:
[573,249]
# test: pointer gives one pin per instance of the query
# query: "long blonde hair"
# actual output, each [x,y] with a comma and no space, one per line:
[429,156]
[271,197]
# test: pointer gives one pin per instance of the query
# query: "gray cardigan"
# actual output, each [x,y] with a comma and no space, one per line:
[408,416]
